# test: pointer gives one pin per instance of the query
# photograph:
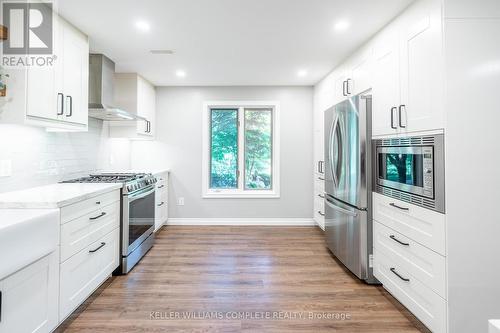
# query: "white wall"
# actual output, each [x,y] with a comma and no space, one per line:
[39,157]
[179,147]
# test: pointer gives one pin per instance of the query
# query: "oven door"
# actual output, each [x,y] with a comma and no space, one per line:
[403,169]
[138,218]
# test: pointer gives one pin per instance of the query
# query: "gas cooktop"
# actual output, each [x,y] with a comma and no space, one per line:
[132,181]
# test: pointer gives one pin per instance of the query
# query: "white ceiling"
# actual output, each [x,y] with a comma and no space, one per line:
[229,42]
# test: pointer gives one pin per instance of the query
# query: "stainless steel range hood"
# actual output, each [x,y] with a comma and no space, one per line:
[101,91]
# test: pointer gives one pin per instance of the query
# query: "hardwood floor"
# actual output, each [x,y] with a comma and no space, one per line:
[222,274]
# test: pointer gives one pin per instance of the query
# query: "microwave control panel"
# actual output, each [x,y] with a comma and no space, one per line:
[428,170]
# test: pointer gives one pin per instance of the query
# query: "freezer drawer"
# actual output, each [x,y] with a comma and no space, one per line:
[346,231]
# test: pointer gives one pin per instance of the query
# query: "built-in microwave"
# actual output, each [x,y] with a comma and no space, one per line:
[411,169]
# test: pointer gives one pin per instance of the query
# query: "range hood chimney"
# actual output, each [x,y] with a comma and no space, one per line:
[101,91]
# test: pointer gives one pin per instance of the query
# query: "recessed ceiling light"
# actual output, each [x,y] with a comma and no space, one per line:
[142,26]
[162,51]
[302,73]
[180,73]
[342,25]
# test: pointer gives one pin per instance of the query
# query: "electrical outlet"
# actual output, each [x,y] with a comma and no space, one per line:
[180,201]
[5,168]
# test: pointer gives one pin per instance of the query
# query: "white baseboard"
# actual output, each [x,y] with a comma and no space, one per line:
[243,221]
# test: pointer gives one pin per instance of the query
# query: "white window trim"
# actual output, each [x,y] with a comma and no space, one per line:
[240,192]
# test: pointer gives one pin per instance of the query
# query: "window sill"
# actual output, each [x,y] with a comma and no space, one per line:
[241,195]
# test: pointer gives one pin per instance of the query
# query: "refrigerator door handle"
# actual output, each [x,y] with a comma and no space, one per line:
[342,210]
[330,150]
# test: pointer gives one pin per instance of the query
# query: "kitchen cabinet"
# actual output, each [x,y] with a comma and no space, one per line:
[136,95]
[408,82]
[57,96]
[161,199]
[29,297]
[386,87]
[90,248]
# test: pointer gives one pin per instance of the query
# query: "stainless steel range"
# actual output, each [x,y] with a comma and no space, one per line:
[137,213]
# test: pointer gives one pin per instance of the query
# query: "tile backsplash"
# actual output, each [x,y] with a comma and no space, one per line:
[38,157]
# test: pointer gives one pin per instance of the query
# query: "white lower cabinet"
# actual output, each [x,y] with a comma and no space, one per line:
[420,224]
[161,200]
[87,270]
[29,298]
[423,302]
[409,252]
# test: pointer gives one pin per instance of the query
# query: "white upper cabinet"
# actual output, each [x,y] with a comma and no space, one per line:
[386,89]
[408,82]
[421,66]
[52,96]
[136,95]
[75,73]
[360,72]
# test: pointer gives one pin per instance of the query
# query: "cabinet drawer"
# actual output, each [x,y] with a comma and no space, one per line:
[85,271]
[424,303]
[84,207]
[427,266]
[319,184]
[422,225]
[79,233]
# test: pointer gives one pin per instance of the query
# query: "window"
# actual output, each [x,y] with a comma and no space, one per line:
[240,150]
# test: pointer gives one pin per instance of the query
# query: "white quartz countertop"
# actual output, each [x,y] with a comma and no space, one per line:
[54,195]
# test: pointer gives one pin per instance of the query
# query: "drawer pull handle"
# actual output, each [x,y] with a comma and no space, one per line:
[98,248]
[320,213]
[161,186]
[321,196]
[98,216]
[161,204]
[321,178]
[97,202]
[397,240]
[399,207]
[393,270]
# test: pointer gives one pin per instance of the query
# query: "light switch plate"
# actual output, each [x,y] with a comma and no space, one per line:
[5,168]
[180,201]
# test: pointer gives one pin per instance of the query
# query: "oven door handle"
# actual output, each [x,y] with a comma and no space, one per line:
[140,195]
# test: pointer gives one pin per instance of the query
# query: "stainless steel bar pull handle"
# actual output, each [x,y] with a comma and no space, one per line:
[60,99]
[70,106]
[398,241]
[343,88]
[98,248]
[393,270]
[392,117]
[401,107]
[321,196]
[320,213]
[399,207]
[321,178]
[97,217]
[161,204]
[348,91]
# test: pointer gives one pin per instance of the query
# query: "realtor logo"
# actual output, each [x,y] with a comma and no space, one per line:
[30,28]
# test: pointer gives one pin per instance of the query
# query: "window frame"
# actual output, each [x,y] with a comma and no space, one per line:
[241,192]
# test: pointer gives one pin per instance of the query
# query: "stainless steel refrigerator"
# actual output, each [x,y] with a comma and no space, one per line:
[348,173]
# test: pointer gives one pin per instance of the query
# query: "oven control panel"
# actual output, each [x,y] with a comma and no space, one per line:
[428,171]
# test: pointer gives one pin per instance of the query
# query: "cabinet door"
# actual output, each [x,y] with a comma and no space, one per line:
[30,297]
[75,74]
[360,77]
[421,64]
[341,85]
[386,86]
[42,100]
[145,106]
